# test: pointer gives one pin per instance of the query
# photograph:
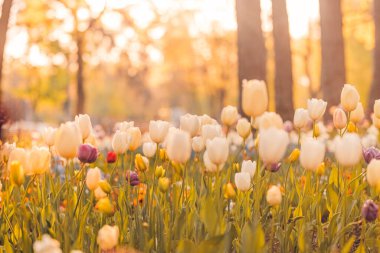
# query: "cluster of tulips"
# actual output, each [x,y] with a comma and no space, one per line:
[239,186]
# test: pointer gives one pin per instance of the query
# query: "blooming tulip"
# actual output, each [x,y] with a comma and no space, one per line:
[83,122]
[179,146]
[210,132]
[348,150]
[254,97]
[141,163]
[48,135]
[249,166]
[301,118]
[207,120]
[163,184]
[339,119]
[243,181]
[217,150]
[190,123]
[119,142]
[229,115]
[93,178]
[373,173]
[17,154]
[197,144]
[271,152]
[133,138]
[133,178]
[316,108]
[243,127]
[38,161]
[274,196]
[312,153]
[371,153]
[6,150]
[108,237]
[149,149]
[349,98]
[87,153]
[111,157]
[46,245]
[270,119]
[125,125]
[158,130]
[357,115]
[67,141]
[209,166]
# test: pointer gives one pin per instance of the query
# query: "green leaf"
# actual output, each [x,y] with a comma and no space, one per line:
[347,247]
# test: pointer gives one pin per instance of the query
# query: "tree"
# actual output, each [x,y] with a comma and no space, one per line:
[251,45]
[333,72]
[4,20]
[283,60]
[375,86]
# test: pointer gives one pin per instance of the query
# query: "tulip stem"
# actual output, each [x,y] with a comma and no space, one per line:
[79,197]
[27,186]
[348,122]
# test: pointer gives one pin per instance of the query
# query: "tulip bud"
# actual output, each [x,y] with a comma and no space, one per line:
[159,171]
[370,210]
[111,157]
[349,98]
[119,142]
[158,130]
[254,98]
[312,153]
[317,131]
[163,156]
[84,124]
[48,135]
[197,144]
[99,193]
[339,119]
[163,184]
[272,152]
[348,150]
[134,138]
[321,169]
[316,108]
[274,196]
[376,108]
[178,146]
[108,237]
[229,191]
[149,149]
[229,115]
[217,150]
[132,178]
[190,123]
[293,156]
[373,174]
[105,186]
[68,139]
[141,162]
[243,181]
[17,173]
[249,166]
[87,153]
[243,127]
[105,206]
[357,115]
[301,118]
[93,178]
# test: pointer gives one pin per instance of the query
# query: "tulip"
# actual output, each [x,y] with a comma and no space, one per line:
[38,161]
[348,150]
[46,245]
[159,171]
[270,151]
[87,153]
[119,142]
[111,157]
[17,154]
[197,144]
[270,119]
[229,115]
[229,191]
[376,121]
[243,127]
[93,178]
[105,186]
[254,98]
[339,119]
[349,98]
[141,163]
[370,210]
[149,149]
[99,193]
[243,181]
[288,126]
[316,108]
[217,150]
[6,150]
[132,178]
[371,153]
[84,124]
[209,132]
[301,118]
[163,184]
[294,155]
[179,146]
[48,135]
[373,173]
[321,169]
[133,138]
[68,139]
[357,115]
[376,108]
[108,237]
[125,125]
[274,196]
[17,173]
[249,166]
[158,130]
[209,166]
[190,123]
[312,153]
[105,206]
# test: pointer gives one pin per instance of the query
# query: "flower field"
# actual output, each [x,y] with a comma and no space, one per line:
[204,186]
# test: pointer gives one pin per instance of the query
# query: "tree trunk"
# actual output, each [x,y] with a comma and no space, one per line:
[333,72]
[283,60]
[80,79]
[375,86]
[4,20]
[251,45]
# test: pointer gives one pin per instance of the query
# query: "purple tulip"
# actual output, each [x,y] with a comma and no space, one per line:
[371,153]
[273,167]
[87,153]
[133,178]
[370,210]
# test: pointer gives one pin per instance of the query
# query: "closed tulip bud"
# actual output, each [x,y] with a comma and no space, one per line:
[357,115]
[149,149]
[209,166]
[163,156]
[351,128]
[243,181]
[84,124]
[229,191]
[108,237]
[134,138]
[159,171]
[93,178]
[105,186]
[141,163]
[254,98]
[274,196]
[217,150]
[371,153]
[158,130]
[209,132]
[271,152]
[38,161]
[249,166]
[111,157]
[163,184]
[229,115]
[370,210]
[270,119]
[17,173]
[190,123]
[243,128]
[348,150]
[99,193]
[293,155]
[316,108]
[373,174]
[178,146]
[105,206]
[339,119]
[301,118]
[6,150]
[119,142]
[67,140]
[17,154]
[87,153]
[317,131]
[133,178]
[197,144]
[48,135]
[376,108]
[321,169]
[349,98]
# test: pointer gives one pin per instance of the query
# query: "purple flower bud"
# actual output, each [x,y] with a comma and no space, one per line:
[273,167]
[370,210]
[371,153]
[133,178]
[87,153]
[288,126]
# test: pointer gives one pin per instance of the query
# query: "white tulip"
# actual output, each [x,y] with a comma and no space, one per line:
[18,154]
[119,142]
[301,118]
[254,97]
[243,181]
[207,120]
[68,139]
[269,119]
[133,138]
[217,150]
[348,150]
[249,166]
[125,125]
[92,178]
[178,146]
[274,196]
[158,130]
[149,149]
[38,161]
[108,237]
[229,115]
[46,245]
[312,153]
[83,122]
[357,115]
[272,145]
[349,98]
[190,123]
[316,108]
[48,135]
[197,144]
[373,173]
[6,150]
[209,166]
[99,193]
[209,132]
[339,119]
[243,127]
